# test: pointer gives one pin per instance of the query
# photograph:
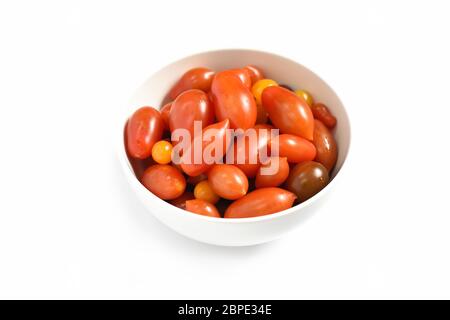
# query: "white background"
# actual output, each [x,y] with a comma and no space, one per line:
[71,228]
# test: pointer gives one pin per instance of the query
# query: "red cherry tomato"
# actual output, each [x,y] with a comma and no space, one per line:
[228,181]
[165,181]
[191,105]
[321,112]
[295,149]
[180,202]
[165,112]
[243,149]
[197,78]
[326,146]
[233,101]
[255,73]
[288,112]
[202,207]
[220,131]
[242,74]
[144,128]
[265,178]
[261,202]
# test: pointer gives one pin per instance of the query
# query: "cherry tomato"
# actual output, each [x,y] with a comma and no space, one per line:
[191,105]
[305,95]
[243,74]
[228,181]
[321,112]
[162,152]
[326,146]
[164,181]
[180,202]
[197,78]
[202,207]
[261,202]
[233,101]
[288,112]
[265,178]
[255,73]
[165,112]
[219,132]
[260,86]
[295,149]
[203,191]
[306,179]
[144,128]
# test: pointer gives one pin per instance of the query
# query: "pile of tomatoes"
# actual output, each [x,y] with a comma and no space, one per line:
[234,99]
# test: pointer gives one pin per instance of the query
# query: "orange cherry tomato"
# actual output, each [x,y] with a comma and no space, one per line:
[219,131]
[288,112]
[180,202]
[322,113]
[197,78]
[326,146]
[305,95]
[255,73]
[295,149]
[243,74]
[265,178]
[191,105]
[233,101]
[260,86]
[228,181]
[202,207]
[165,112]
[143,129]
[165,181]
[162,152]
[261,202]
[203,191]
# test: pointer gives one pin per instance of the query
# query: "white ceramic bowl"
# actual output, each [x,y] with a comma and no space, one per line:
[247,231]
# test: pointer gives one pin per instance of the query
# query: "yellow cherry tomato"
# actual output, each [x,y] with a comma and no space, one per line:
[162,152]
[259,87]
[306,96]
[203,191]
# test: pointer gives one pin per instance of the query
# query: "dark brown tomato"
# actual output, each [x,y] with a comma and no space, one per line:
[306,179]
[326,146]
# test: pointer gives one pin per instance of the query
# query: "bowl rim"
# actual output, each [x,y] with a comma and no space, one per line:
[138,186]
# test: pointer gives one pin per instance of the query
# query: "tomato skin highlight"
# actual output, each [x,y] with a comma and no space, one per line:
[306,179]
[233,101]
[228,181]
[143,130]
[165,181]
[322,113]
[243,74]
[288,112]
[191,105]
[294,148]
[196,78]
[326,146]
[276,179]
[203,208]
[261,202]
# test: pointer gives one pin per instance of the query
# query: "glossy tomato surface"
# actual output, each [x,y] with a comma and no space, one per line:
[326,146]
[288,112]
[196,78]
[294,148]
[233,101]
[165,113]
[306,179]
[273,173]
[203,208]
[165,181]
[256,73]
[228,181]
[243,74]
[143,130]
[261,202]
[322,113]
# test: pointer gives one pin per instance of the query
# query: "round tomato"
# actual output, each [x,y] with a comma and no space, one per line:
[306,179]
[288,112]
